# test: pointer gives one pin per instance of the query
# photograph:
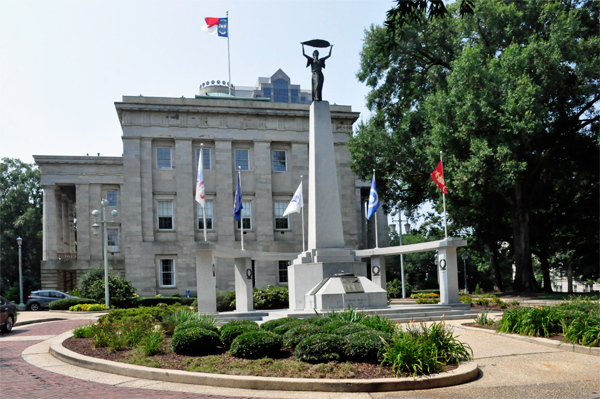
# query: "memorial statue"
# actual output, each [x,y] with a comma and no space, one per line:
[317,64]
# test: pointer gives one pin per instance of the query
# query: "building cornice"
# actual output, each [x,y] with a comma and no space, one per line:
[85,160]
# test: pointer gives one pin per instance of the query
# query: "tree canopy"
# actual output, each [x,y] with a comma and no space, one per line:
[510,94]
[21,216]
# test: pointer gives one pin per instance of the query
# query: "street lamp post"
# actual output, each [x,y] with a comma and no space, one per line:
[96,230]
[20,306]
[465,256]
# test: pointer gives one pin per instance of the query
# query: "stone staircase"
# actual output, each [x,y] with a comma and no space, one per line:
[400,313]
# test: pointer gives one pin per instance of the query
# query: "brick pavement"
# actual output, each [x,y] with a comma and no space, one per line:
[21,380]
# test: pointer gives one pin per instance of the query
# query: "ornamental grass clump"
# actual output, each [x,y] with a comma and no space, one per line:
[194,341]
[296,334]
[421,349]
[256,344]
[320,348]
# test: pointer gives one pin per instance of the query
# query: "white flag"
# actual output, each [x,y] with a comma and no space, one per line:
[200,183]
[296,203]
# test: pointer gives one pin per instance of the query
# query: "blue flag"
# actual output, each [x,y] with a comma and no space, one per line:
[237,204]
[373,200]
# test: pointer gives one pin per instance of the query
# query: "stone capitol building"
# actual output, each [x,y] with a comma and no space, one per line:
[262,130]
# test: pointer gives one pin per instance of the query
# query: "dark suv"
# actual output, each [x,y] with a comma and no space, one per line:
[8,314]
[41,299]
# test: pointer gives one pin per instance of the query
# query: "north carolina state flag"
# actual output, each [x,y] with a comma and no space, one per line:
[438,177]
[216,26]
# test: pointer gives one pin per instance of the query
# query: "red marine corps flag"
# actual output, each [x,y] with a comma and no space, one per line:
[438,177]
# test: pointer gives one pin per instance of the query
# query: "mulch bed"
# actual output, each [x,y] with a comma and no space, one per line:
[173,361]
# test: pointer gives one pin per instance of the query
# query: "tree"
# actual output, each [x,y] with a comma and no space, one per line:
[504,92]
[21,216]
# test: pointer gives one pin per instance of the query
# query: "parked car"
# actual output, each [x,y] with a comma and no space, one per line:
[41,299]
[8,314]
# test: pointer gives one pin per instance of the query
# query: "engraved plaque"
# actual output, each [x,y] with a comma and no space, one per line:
[352,285]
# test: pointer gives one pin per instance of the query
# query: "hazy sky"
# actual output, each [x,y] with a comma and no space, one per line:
[63,64]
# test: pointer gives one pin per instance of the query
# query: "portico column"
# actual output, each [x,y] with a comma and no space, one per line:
[205,270]
[244,301]
[50,233]
[378,274]
[448,274]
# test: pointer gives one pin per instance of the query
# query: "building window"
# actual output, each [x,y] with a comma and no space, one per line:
[113,240]
[163,158]
[242,160]
[209,216]
[167,272]
[283,271]
[165,215]
[267,92]
[303,100]
[279,161]
[281,222]
[205,158]
[294,95]
[111,197]
[280,89]
[246,216]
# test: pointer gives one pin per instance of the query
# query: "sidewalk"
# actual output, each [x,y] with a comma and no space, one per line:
[509,368]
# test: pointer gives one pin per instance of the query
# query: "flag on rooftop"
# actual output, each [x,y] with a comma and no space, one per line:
[373,200]
[216,26]
[296,203]
[438,177]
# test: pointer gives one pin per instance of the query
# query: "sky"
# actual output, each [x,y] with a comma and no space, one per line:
[64,63]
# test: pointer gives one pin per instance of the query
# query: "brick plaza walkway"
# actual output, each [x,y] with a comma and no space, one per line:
[19,379]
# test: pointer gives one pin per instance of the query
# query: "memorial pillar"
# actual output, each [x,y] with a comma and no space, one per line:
[205,272]
[378,272]
[448,275]
[244,300]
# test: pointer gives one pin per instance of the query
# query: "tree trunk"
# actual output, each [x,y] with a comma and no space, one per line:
[496,276]
[547,283]
[570,278]
[524,278]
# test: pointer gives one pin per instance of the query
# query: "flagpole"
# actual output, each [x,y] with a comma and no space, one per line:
[229,61]
[201,159]
[444,199]
[303,245]
[241,211]
[375,214]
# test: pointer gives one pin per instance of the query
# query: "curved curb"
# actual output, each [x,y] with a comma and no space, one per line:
[466,372]
[564,346]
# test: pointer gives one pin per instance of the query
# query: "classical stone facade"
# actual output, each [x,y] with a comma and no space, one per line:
[154,238]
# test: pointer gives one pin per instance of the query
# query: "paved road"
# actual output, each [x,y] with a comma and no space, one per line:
[509,369]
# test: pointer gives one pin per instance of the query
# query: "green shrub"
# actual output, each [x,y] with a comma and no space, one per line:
[153,301]
[296,334]
[194,341]
[320,348]
[230,331]
[365,346]
[65,304]
[583,332]
[256,344]
[426,298]
[272,297]
[225,301]
[421,349]
[394,288]
[198,324]
[378,323]
[271,325]
[465,299]
[333,326]
[87,307]
[121,290]
[285,327]
[152,343]
[349,329]
[178,316]
[83,331]
[317,321]
[485,302]
[155,312]
[484,320]
[477,290]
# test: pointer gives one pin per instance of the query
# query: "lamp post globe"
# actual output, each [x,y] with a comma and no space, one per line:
[21,305]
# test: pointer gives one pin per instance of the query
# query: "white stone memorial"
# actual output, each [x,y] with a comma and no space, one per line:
[344,291]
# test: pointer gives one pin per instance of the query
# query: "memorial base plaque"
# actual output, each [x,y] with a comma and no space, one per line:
[343,291]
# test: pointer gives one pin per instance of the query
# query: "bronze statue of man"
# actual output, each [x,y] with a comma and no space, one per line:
[317,64]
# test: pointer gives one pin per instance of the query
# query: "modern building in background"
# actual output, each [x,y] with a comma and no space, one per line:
[260,132]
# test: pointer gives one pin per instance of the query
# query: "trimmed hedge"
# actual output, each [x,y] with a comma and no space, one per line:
[153,301]
[285,327]
[297,334]
[271,325]
[318,321]
[197,324]
[230,332]
[320,348]
[364,346]
[256,344]
[350,329]
[65,304]
[333,326]
[194,341]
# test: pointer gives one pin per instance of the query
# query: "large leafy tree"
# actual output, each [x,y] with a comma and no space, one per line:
[509,93]
[21,216]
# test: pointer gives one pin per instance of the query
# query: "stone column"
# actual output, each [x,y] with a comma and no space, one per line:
[146,190]
[324,213]
[205,270]
[50,231]
[263,210]
[84,216]
[223,204]
[71,216]
[448,275]
[243,285]
[378,272]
